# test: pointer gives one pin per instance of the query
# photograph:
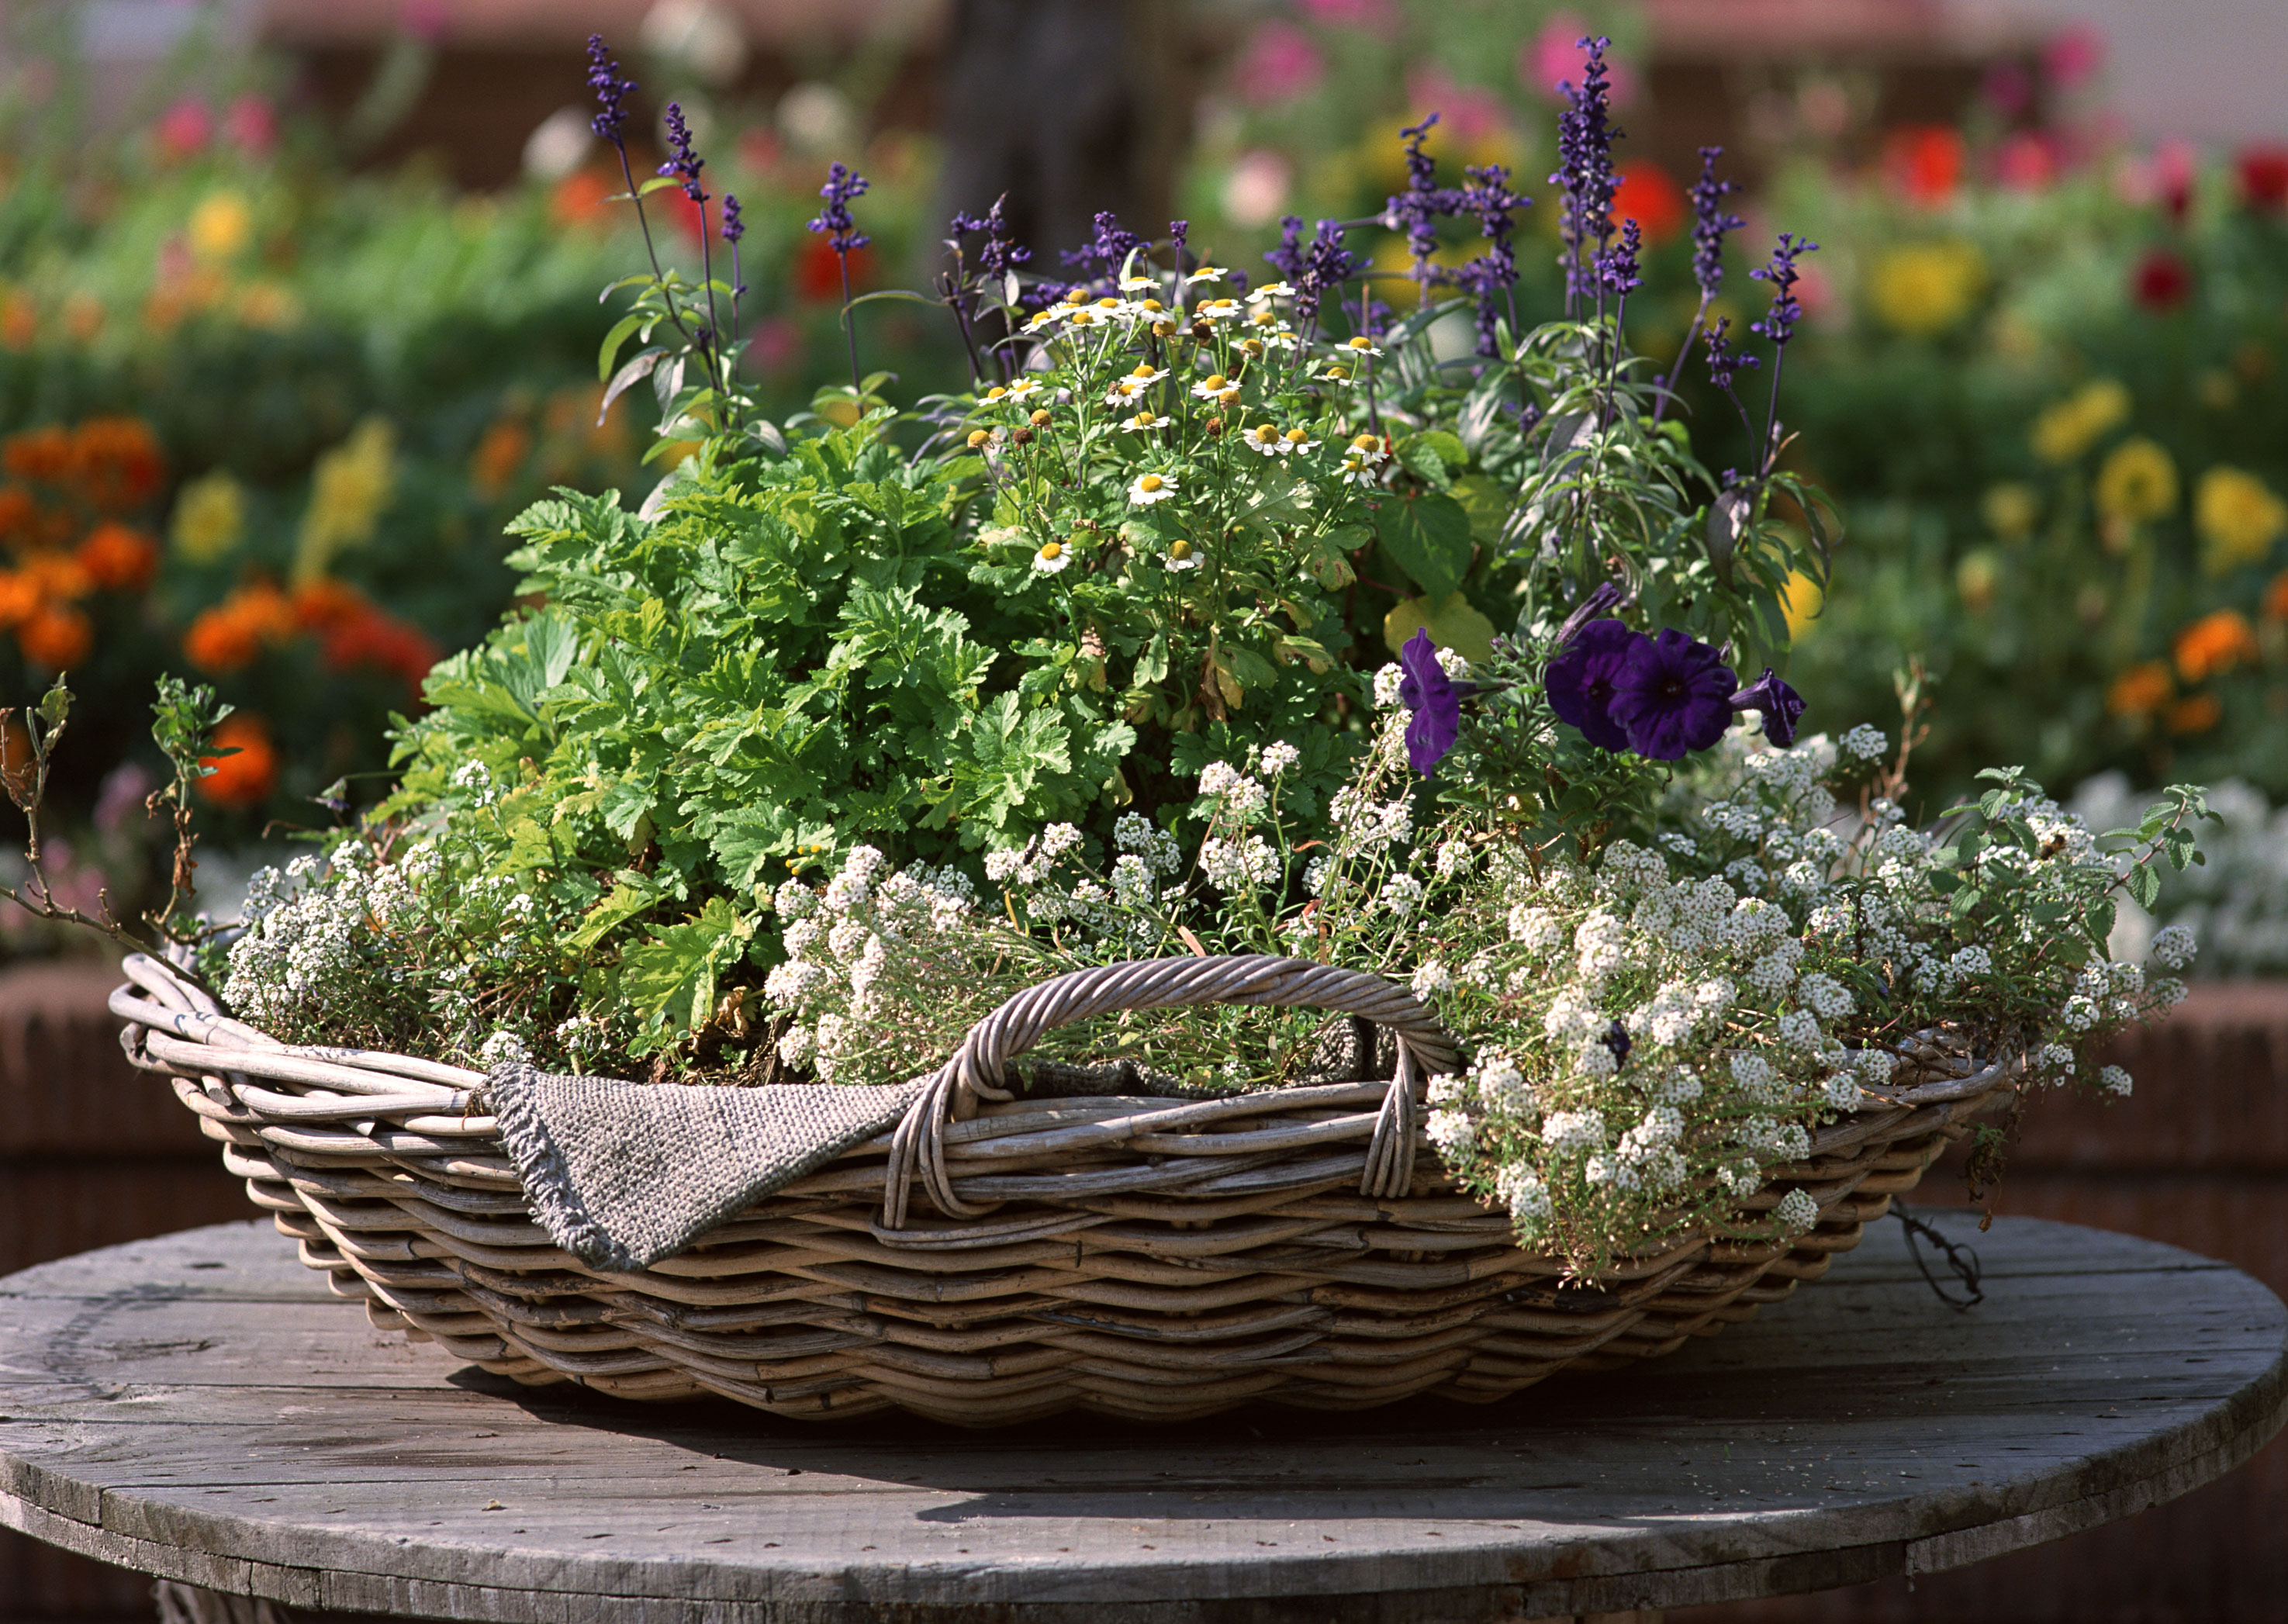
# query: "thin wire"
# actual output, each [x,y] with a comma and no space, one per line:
[1968,1273]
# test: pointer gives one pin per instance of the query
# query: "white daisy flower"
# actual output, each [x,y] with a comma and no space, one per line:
[1220,310]
[1206,273]
[1024,389]
[1180,554]
[1266,440]
[1143,421]
[1360,344]
[1299,439]
[1148,489]
[1215,386]
[1269,291]
[1051,558]
[1137,284]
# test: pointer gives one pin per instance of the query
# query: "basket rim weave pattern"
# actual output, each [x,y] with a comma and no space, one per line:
[1136,1256]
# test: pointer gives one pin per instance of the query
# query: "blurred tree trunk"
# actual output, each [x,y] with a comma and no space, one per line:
[1068,106]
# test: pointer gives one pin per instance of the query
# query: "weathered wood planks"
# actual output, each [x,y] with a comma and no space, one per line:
[199,1407]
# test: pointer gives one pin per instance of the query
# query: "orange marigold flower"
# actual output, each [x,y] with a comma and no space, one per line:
[325,603]
[44,453]
[118,462]
[381,642]
[498,456]
[57,575]
[245,779]
[228,637]
[2275,597]
[118,558]
[20,595]
[2195,715]
[56,636]
[2214,643]
[2140,691]
[20,515]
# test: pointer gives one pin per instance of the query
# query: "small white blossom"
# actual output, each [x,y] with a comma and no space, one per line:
[2174,946]
[2114,1081]
[1797,1212]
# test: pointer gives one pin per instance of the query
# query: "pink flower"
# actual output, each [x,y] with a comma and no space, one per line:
[1554,56]
[185,129]
[2028,161]
[1280,64]
[2074,55]
[250,125]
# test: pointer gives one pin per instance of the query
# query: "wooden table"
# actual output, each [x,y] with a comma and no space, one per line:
[199,1407]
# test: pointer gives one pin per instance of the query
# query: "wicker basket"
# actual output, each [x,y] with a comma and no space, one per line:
[1139,1257]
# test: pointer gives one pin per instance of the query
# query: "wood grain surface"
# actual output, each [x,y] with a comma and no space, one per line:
[198,1408]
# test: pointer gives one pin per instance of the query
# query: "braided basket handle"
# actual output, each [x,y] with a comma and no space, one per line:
[975,1071]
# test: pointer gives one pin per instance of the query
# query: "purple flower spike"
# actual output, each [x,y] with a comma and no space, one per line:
[1673,695]
[1434,698]
[612,93]
[1780,705]
[834,222]
[1580,680]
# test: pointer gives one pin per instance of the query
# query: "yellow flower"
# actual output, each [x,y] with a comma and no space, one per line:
[1923,289]
[210,518]
[2138,482]
[1800,600]
[347,493]
[2011,510]
[2239,517]
[2079,420]
[1976,577]
[221,225]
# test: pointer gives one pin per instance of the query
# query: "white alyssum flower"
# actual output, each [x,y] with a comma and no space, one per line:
[1862,743]
[1565,1132]
[1451,1131]
[2113,1079]
[1430,978]
[2175,946]
[1796,1213]
[1279,758]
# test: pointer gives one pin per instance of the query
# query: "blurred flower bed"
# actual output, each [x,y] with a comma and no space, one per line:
[262,422]
[2049,389]
[2046,372]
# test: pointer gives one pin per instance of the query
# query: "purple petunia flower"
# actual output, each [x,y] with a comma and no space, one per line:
[1780,705]
[1673,694]
[1580,680]
[1434,698]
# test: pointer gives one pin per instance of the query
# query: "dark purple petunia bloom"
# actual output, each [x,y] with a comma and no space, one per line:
[1780,705]
[1434,698]
[1616,1039]
[1673,694]
[1581,680]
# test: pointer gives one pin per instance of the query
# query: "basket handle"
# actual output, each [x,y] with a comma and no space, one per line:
[975,1071]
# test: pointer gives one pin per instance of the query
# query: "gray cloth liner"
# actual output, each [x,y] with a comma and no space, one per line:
[623,1174]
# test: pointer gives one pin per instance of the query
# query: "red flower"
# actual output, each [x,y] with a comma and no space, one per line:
[1649,195]
[2162,281]
[2264,177]
[818,272]
[1924,162]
